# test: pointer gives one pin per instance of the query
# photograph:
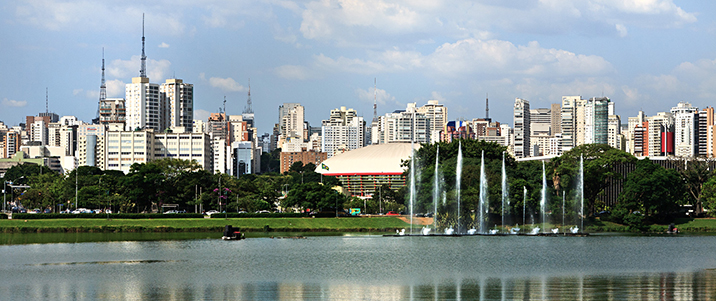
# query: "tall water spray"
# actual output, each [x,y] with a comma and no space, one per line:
[436,189]
[458,178]
[581,190]
[543,201]
[524,204]
[412,184]
[483,194]
[505,193]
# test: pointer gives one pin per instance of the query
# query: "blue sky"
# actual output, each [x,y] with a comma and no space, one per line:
[643,54]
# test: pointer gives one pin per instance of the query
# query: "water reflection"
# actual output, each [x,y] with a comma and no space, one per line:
[317,268]
[649,286]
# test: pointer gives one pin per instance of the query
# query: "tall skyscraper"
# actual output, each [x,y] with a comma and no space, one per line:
[343,131]
[438,116]
[180,103]
[522,128]
[569,121]
[596,120]
[686,129]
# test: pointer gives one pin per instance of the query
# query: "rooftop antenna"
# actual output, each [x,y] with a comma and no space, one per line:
[143,70]
[47,101]
[224,106]
[487,107]
[248,109]
[375,99]
[103,86]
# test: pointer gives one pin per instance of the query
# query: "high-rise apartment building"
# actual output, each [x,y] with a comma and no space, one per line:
[405,126]
[179,102]
[686,129]
[146,106]
[343,131]
[291,119]
[706,119]
[522,128]
[112,110]
[438,116]
[657,132]
[596,120]
[569,124]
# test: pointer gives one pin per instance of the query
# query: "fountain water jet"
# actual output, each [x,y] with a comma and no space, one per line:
[436,189]
[524,204]
[483,194]
[458,179]
[505,194]
[581,189]
[412,184]
[543,201]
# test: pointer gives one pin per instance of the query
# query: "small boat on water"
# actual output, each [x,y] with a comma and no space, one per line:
[231,234]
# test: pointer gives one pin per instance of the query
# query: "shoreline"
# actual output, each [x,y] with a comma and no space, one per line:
[289,225]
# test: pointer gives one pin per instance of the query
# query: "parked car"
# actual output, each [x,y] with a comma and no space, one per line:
[171,212]
[210,212]
[34,211]
[48,210]
[391,213]
[263,211]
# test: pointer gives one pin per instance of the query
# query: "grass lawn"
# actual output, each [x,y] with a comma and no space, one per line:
[352,224]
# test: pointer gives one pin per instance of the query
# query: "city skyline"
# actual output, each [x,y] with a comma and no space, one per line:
[325,55]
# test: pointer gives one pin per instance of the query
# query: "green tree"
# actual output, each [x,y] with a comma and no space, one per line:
[695,174]
[650,194]
[313,196]
[599,160]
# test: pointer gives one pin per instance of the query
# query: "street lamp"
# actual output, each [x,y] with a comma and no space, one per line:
[4,194]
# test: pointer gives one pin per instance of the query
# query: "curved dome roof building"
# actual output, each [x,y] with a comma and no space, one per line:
[363,170]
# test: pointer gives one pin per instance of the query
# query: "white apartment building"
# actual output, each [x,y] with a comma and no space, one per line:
[291,117]
[91,145]
[569,125]
[184,146]
[686,129]
[343,131]
[657,123]
[145,105]
[438,116]
[180,103]
[614,132]
[522,128]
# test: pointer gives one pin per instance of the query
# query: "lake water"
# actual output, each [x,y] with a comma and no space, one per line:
[365,267]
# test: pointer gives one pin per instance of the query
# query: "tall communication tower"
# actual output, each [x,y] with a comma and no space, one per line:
[248,109]
[487,108]
[375,99]
[143,70]
[47,101]
[102,86]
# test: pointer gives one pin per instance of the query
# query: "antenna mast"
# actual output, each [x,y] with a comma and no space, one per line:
[103,86]
[375,99]
[47,101]
[224,107]
[487,107]
[248,109]
[143,70]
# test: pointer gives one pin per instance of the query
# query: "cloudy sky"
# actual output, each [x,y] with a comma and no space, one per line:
[643,54]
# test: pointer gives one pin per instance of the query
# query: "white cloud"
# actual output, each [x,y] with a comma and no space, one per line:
[437,96]
[357,21]
[622,30]
[472,57]
[14,103]
[157,70]
[77,91]
[163,45]
[92,15]
[226,84]
[115,88]
[200,114]
[379,95]
[293,72]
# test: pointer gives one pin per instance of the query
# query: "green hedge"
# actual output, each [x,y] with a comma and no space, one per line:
[3,216]
[102,215]
[251,215]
